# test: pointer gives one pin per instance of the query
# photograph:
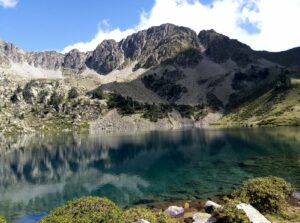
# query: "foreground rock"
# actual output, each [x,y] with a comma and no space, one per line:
[211,206]
[142,221]
[254,215]
[174,211]
[203,218]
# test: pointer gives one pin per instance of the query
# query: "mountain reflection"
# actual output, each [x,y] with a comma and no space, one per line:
[39,172]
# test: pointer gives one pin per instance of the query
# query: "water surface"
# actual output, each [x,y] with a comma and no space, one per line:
[39,173]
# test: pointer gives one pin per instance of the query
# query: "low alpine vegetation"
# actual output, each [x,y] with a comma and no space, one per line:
[2,219]
[266,194]
[86,210]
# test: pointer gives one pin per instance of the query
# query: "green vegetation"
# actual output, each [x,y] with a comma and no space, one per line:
[42,96]
[125,106]
[2,219]
[153,112]
[86,210]
[97,94]
[94,209]
[56,100]
[135,214]
[279,106]
[229,213]
[266,194]
[165,85]
[73,93]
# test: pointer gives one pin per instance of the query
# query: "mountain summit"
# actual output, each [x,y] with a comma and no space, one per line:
[208,73]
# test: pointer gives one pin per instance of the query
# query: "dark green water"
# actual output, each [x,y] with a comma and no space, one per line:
[38,173]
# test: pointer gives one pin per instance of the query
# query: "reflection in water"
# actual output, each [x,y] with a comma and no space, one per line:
[38,173]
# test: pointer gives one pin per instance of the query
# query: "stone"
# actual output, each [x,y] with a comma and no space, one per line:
[296,195]
[253,215]
[141,221]
[174,211]
[75,60]
[203,218]
[211,206]
[186,205]
[106,57]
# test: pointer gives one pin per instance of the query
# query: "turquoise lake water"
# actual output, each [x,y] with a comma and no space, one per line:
[39,173]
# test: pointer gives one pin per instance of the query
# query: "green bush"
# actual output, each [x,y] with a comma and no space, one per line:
[96,94]
[230,213]
[56,100]
[125,106]
[73,93]
[42,96]
[135,214]
[154,112]
[266,194]
[86,210]
[2,219]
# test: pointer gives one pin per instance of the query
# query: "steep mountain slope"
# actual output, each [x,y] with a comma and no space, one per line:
[199,76]
[278,106]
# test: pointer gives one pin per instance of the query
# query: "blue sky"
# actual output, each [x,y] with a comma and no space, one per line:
[53,24]
[36,25]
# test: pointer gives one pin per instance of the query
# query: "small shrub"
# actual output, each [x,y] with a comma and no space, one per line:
[164,218]
[56,100]
[266,194]
[2,219]
[73,93]
[96,94]
[42,96]
[86,210]
[154,112]
[186,111]
[135,214]
[230,213]
[14,98]
[125,106]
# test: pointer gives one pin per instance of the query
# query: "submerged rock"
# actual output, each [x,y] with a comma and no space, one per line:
[174,211]
[211,206]
[254,215]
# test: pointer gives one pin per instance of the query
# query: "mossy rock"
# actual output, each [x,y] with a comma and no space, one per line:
[230,213]
[2,219]
[135,214]
[86,210]
[266,194]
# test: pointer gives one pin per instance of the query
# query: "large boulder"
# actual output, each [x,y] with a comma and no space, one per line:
[254,215]
[203,218]
[175,211]
[211,206]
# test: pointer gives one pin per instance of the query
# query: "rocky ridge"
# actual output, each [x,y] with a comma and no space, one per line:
[200,76]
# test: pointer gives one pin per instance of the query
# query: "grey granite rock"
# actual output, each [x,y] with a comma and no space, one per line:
[49,60]
[75,60]
[106,57]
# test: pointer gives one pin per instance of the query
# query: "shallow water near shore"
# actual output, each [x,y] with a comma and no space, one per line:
[39,173]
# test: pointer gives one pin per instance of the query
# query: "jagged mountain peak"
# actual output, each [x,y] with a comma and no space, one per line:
[221,48]
[146,48]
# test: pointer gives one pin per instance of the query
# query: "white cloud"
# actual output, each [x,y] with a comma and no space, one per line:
[8,3]
[276,20]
